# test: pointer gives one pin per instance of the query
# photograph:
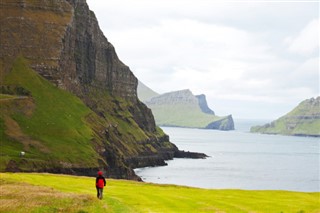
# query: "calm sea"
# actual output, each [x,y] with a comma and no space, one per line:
[240,160]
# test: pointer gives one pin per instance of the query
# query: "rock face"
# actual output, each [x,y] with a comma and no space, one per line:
[304,120]
[203,104]
[223,124]
[183,109]
[62,41]
[93,57]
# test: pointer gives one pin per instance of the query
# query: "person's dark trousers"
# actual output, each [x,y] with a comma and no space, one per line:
[99,192]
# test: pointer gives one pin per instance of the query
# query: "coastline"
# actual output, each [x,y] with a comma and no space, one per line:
[240,160]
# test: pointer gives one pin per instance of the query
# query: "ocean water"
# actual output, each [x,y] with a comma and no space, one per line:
[240,160]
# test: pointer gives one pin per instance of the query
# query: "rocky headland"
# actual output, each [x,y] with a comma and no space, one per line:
[183,109]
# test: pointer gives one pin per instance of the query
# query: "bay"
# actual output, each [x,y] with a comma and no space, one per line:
[240,160]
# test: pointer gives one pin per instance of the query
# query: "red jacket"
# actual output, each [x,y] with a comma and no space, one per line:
[100,182]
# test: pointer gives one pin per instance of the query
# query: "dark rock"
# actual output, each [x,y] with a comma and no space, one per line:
[194,155]
[224,124]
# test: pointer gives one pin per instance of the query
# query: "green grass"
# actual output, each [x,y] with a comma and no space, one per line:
[182,115]
[54,127]
[77,194]
[5,96]
[53,117]
[57,130]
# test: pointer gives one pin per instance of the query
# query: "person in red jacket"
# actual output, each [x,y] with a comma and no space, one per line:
[100,183]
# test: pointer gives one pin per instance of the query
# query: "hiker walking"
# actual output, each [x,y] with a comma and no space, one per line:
[100,183]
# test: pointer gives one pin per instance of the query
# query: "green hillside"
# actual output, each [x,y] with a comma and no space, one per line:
[303,120]
[144,92]
[182,115]
[62,193]
[49,124]
[183,109]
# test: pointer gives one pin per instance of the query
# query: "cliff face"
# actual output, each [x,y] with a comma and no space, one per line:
[62,41]
[303,120]
[224,124]
[203,104]
[97,64]
[34,30]
[182,108]
[93,58]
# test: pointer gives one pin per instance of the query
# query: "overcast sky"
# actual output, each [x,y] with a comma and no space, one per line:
[252,59]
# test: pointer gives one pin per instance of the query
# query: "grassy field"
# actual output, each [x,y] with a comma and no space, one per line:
[32,192]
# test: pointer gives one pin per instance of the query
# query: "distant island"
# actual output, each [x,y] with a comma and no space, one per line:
[303,120]
[183,109]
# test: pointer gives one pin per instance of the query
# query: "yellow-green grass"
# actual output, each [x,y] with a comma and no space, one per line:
[5,96]
[32,192]
[182,115]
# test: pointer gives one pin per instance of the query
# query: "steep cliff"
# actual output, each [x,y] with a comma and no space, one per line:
[182,108]
[203,104]
[60,43]
[303,120]
[225,124]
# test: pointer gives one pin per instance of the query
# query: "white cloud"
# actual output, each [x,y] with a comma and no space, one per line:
[307,41]
[247,56]
[212,52]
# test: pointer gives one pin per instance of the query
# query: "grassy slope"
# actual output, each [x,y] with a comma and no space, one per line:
[56,129]
[182,115]
[77,194]
[54,123]
[291,125]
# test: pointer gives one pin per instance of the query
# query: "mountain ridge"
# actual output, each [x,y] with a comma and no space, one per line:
[183,109]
